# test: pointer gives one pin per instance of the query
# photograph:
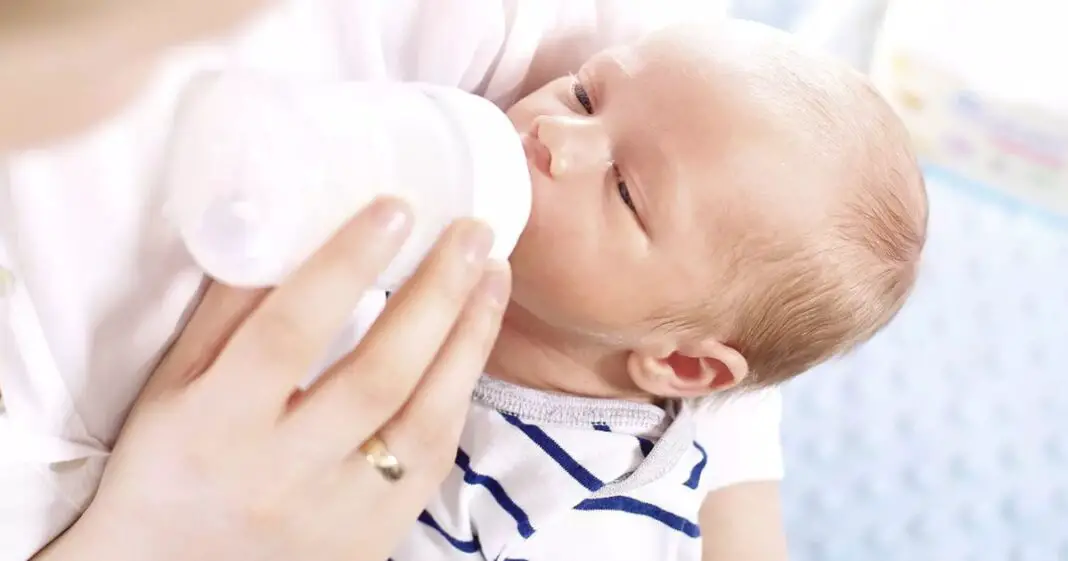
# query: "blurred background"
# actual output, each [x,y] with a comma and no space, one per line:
[946,437]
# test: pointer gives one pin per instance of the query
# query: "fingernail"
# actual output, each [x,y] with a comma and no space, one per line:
[391,215]
[497,283]
[477,241]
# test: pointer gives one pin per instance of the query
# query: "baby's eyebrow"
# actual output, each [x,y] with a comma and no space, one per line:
[619,57]
[657,175]
[656,180]
[644,161]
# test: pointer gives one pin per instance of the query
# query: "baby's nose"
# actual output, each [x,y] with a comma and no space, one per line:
[575,144]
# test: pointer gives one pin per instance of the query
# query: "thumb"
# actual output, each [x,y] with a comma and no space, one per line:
[213,320]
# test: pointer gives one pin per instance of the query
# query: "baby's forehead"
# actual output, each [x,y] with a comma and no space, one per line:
[729,134]
[767,138]
[678,82]
[654,61]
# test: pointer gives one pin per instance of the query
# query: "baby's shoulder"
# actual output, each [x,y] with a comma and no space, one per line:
[742,433]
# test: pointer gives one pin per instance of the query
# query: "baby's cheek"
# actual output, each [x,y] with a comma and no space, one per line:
[543,214]
[560,212]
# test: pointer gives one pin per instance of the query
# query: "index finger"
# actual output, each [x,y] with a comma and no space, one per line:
[291,331]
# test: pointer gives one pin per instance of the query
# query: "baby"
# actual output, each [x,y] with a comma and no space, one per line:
[714,210]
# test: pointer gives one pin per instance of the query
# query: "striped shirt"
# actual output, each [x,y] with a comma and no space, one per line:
[542,476]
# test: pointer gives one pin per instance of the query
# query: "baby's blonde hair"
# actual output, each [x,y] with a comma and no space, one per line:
[798,301]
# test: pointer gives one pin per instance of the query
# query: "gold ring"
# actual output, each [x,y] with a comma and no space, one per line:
[380,458]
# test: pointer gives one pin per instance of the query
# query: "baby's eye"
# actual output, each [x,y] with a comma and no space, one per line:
[583,97]
[624,192]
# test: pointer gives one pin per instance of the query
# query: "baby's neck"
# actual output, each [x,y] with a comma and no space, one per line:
[531,353]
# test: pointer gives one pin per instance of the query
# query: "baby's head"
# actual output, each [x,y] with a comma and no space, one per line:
[719,206]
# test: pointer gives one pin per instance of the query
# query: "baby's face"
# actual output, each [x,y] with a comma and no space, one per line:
[646,165]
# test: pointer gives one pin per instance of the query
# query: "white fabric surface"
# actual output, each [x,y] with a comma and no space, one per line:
[946,437]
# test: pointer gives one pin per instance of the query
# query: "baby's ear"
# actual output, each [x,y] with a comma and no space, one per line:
[688,371]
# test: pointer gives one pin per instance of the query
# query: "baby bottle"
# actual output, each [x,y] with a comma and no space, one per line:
[260,172]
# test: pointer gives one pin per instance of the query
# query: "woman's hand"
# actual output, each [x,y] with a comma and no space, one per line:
[222,460]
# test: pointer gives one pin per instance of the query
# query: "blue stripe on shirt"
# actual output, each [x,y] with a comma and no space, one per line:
[646,446]
[464,546]
[522,521]
[634,506]
[698,469]
[558,454]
